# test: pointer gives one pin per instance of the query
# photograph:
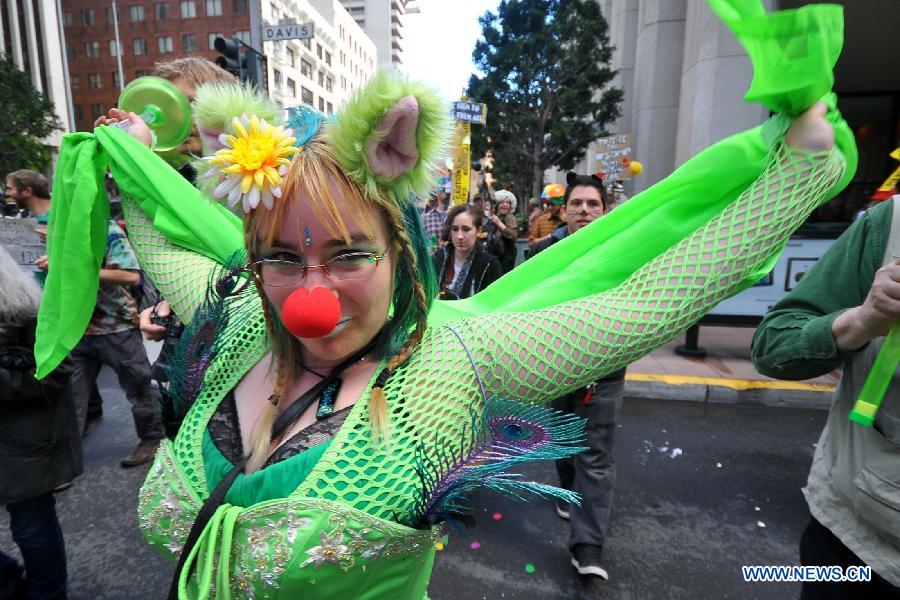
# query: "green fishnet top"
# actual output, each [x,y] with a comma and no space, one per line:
[345,514]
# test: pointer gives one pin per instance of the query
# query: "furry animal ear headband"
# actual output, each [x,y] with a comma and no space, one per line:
[572,178]
[387,139]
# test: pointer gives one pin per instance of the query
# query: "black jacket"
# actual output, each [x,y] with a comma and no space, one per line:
[40,440]
[485,269]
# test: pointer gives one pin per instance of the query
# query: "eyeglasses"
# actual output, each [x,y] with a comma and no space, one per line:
[344,267]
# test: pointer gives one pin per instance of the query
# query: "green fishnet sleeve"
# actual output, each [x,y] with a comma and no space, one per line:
[542,354]
[180,275]
[539,355]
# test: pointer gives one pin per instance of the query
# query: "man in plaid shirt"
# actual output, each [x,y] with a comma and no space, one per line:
[433,218]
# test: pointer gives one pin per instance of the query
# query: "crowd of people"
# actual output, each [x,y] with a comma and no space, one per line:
[354,425]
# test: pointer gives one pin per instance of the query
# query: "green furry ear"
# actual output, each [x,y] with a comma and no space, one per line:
[216,103]
[356,129]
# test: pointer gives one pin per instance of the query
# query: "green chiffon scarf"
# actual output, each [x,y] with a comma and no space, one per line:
[793,54]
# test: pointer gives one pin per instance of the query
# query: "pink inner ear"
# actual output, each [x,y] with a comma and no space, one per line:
[392,149]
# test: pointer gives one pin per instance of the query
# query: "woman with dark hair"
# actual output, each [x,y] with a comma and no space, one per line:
[40,444]
[463,266]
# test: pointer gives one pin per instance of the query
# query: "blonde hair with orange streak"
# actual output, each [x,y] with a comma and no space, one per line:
[316,173]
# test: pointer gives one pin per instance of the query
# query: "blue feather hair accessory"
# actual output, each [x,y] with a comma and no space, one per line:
[505,434]
[305,122]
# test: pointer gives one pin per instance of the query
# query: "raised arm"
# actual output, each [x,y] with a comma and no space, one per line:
[540,354]
[180,275]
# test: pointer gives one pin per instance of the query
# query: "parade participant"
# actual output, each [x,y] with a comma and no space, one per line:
[852,490]
[592,473]
[547,223]
[40,444]
[462,265]
[325,315]
[502,230]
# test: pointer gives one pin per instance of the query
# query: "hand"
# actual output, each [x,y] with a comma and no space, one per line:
[496,220]
[811,131]
[151,331]
[138,129]
[873,318]
[42,263]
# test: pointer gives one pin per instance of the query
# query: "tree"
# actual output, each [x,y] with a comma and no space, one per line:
[29,117]
[546,82]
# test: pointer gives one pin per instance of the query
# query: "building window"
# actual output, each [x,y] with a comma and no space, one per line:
[306,44]
[162,11]
[292,60]
[188,9]
[321,104]
[305,68]
[117,83]
[328,58]
[89,17]
[319,51]
[189,43]
[71,54]
[330,108]
[306,96]
[137,13]
[292,88]
[321,79]
[165,44]
[212,39]
[113,48]
[141,72]
[244,35]
[95,81]
[139,46]
[240,6]
[329,84]
[277,75]
[76,83]
[67,19]
[213,8]
[92,49]
[97,111]
[79,114]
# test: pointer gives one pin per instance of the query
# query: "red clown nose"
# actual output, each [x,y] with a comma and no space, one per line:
[311,314]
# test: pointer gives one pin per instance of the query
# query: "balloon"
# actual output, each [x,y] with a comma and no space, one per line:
[635,168]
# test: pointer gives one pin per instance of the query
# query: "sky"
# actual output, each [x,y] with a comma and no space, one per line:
[438,43]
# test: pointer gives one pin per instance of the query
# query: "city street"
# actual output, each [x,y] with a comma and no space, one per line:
[702,490]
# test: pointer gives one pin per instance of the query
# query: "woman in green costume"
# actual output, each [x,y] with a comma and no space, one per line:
[321,455]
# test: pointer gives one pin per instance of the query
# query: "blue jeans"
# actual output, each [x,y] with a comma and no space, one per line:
[592,473]
[36,531]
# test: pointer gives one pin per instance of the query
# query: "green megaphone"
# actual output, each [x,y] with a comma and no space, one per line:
[161,106]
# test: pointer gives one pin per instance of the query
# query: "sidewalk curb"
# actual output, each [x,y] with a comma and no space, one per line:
[776,394]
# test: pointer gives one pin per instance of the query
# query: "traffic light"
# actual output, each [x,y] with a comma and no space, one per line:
[246,66]
[231,55]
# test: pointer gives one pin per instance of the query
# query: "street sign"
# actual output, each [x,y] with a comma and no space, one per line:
[288,31]
[613,155]
[470,112]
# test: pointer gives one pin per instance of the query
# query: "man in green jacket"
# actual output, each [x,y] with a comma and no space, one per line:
[837,317]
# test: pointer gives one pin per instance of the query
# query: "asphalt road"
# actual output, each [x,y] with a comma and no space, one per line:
[702,490]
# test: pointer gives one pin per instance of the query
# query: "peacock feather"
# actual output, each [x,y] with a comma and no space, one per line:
[504,434]
[229,301]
